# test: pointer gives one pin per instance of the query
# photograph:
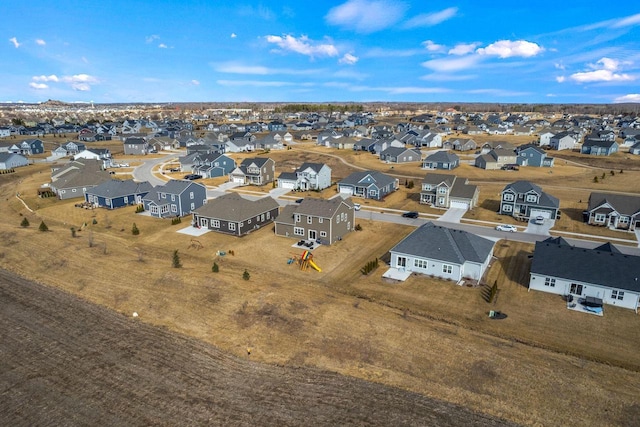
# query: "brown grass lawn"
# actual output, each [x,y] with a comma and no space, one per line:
[543,365]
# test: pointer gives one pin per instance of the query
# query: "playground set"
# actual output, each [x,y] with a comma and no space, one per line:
[305,261]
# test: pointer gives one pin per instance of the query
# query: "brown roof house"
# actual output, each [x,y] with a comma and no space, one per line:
[233,214]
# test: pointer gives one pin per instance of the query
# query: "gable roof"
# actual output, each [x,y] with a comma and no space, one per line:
[439,178]
[258,161]
[442,156]
[445,244]
[324,208]
[316,167]
[378,178]
[623,203]
[522,187]
[117,188]
[234,207]
[598,266]
[177,186]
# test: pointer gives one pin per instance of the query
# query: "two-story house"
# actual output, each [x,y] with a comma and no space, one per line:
[136,146]
[211,165]
[531,155]
[175,198]
[324,220]
[496,159]
[597,147]
[616,211]
[526,200]
[368,184]
[562,141]
[309,176]
[448,191]
[28,147]
[101,154]
[254,171]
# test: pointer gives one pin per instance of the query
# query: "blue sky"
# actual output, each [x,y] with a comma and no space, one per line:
[304,51]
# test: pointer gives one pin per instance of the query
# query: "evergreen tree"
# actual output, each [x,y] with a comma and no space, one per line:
[134,230]
[43,227]
[176,260]
[25,222]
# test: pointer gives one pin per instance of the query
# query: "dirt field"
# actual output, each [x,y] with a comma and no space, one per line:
[68,362]
[425,336]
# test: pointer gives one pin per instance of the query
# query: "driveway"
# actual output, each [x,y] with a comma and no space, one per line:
[277,192]
[453,215]
[542,229]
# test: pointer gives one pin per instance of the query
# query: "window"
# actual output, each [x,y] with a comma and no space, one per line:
[320,220]
[427,187]
[507,208]
[154,209]
[548,281]
[298,231]
[296,218]
[600,218]
[232,226]
[173,197]
[323,234]
[164,195]
[268,215]
[624,220]
[309,220]
[165,209]
[193,206]
[575,289]
[420,263]
[261,217]
[337,219]
[74,190]
[507,197]
[215,223]
[441,200]
[174,208]
[442,190]
[447,268]
[617,295]
[190,196]
[532,198]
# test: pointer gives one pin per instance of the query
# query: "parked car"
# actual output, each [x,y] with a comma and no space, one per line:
[192,176]
[538,220]
[356,206]
[299,200]
[410,214]
[507,227]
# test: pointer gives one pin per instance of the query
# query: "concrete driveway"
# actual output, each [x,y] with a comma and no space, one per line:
[453,215]
[542,229]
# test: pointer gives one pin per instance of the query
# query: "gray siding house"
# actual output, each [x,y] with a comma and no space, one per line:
[448,191]
[400,155]
[527,200]
[616,211]
[116,194]
[326,221]
[136,146]
[368,184]
[233,214]
[442,252]
[441,160]
[175,198]
[562,141]
[599,147]
[76,177]
[309,176]
[12,160]
[530,155]
[254,171]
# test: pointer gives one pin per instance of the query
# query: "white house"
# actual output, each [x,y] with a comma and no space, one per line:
[442,252]
[603,273]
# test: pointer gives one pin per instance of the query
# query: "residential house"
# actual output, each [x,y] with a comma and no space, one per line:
[254,171]
[462,144]
[233,214]
[324,220]
[598,147]
[443,252]
[496,159]
[428,139]
[175,198]
[400,155]
[532,155]
[441,160]
[562,141]
[309,176]
[602,273]
[448,191]
[496,145]
[616,211]
[28,147]
[635,148]
[211,165]
[368,184]
[69,148]
[114,193]
[12,161]
[545,138]
[136,146]
[76,177]
[526,200]
[101,154]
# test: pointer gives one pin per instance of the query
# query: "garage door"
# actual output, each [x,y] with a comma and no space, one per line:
[539,212]
[287,184]
[458,204]
[346,190]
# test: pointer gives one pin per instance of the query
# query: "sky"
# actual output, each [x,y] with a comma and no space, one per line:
[319,51]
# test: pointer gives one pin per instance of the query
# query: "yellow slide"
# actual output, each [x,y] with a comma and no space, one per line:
[313,265]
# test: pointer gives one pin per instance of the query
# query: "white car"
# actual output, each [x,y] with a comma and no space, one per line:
[507,227]
[356,206]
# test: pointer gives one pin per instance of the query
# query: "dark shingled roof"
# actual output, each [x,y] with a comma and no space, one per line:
[234,207]
[604,266]
[445,244]
[624,204]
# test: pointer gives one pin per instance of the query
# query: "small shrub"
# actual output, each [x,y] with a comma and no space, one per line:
[176,260]
[215,267]
[358,227]
[603,175]
[134,230]
[410,184]
[621,171]
[612,173]
[73,232]
[369,267]
[94,222]
[595,179]
[246,275]
[25,222]
[139,208]
[43,227]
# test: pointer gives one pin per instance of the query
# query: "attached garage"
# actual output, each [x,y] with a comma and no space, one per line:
[458,204]
[346,190]
[540,212]
[287,184]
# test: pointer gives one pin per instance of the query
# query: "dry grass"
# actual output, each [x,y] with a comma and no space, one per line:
[425,335]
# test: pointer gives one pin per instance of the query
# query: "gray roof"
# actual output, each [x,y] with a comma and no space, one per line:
[396,151]
[442,156]
[602,266]
[291,176]
[116,188]
[462,190]
[521,187]
[234,207]
[177,186]
[259,161]
[598,143]
[321,207]
[624,204]
[6,156]
[439,178]
[316,167]
[379,178]
[445,244]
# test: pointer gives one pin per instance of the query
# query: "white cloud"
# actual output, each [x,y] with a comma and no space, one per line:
[432,47]
[303,45]
[509,48]
[431,19]
[195,82]
[629,20]
[233,35]
[255,83]
[632,97]
[561,79]
[604,70]
[80,78]
[559,66]
[38,86]
[452,64]
[162,46]
[462,49]
[51,78]
[40,42]
[151,38]
[378,52]
[237,68]
[447,77]
[82,87]
[15,42]
[366,16]
[348,59]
